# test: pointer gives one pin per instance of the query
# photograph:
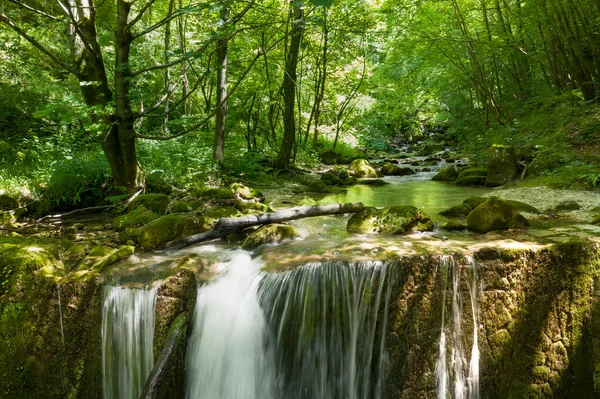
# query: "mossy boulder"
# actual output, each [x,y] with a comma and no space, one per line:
[340,171]
[329,157]
[221,212]
[214,193]
[470,181]
[454,225]
[155,202]
[186,206]
[252,207]
[474,202]
[331,179]
[468,172]
[361,168]
[270,234]
[317,187]
[523,207]
[446,174]
[457,211]
[501,165]
[101,257]
[566,206]
[246,192]
[495,214]
[371,182]
[390,169]
[429,148]
[390,220]
[136,218]
[172,227]
[8,203]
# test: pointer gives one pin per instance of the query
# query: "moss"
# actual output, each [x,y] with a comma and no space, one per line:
[446,174]
[390,169]
[474,202]
[246,192]
[270,234]
[186,206]
[502,165]
[101,257]
[331,179]
[457,211]
[136,218]
[454,225]
[372,182]
[567,206]
[155,202]
[317,187]
[470,181]
[495,214]
[523,207]
[252,207]
[221,212]
[171,227]
[469,172]
[361,168]
[214,193]
[390,220]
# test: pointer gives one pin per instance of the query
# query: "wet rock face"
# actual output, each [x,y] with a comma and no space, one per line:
[270,234]
[172,227]
[495,214]
[446,174]
[361,168]
[390,220]
[502,165]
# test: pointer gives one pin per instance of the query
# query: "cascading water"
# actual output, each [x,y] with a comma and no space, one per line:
[127,340]
[328,323]
[227,355]
[462,389]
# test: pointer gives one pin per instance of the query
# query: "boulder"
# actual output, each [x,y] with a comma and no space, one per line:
[470,181]
[495,214]
[457,211]
[474,202]
[155,202]
[252,207]
[209,193]
[566,206]
[329,157]
[470,172]
[454,225]
[523,207]
[186,206]
[390,169]
[270,234]
[221,212]
[371,182]
[101,257]
[247,193]
[429,148]
[361,168]
[171,227]
[331,179]
[136,218]
[317,187]
[390,220]
[8,203]
[501,166]
[446,174]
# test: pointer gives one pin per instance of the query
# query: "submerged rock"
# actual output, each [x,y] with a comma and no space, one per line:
[155,202]
[361,168]
[270,234]
[567,206]
[391,220]
[390,169]
[171,227]
[472,177]
[495,214]
[501,166]
[446,174]
[457,211]
[454,225]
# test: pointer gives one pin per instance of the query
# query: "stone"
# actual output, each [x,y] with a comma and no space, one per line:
[429,148]
[8,203]
[567,206]
[390,169]
[155,202]
[171,227]
[446,174]
[371,182]
[331,179]
[101,257]
[209,193]
[469,172]
[471,181]
[221,212]
[501,165]
[329,157]
[457,211]
[390,220]
[317,187]
[495,214]
[454,225]
[251,207]
[523,207]
[361,168]
[136,218]
[270,234]
[246,192]
[474,202]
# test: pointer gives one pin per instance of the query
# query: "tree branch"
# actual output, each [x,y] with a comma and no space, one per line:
[27,7]
[7,21]
[140,14]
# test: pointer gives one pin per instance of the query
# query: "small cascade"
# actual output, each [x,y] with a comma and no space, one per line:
[464,387]
[227,356]
[328,323]
[127,340]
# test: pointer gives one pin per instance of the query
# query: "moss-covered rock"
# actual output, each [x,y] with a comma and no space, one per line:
[155,202]
[446,174]
[596,219]
[270,234]
[501,165]
[468,172]
[171,227]
[470,181]
[390,169]
[361,168]
[221,212]
[214,193]
[246,192]
[331,179]
[430,148]
[136,218]
[457,211]
[523,207]
[371,182]
[186,206]
[474,202]
[495,214]
[329,157]
[317,187]
[8,203]
[454,225]
[101,257]
[390,220]
[566,206]
[252,207]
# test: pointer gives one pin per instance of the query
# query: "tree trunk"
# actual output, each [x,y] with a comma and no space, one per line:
[289,86]
[221,116]
[226,226]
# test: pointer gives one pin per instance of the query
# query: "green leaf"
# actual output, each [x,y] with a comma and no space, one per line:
[323,3]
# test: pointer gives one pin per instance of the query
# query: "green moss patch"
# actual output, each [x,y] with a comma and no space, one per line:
[155,202]
[270,234]
[138,217]
[390,220]
[171,227]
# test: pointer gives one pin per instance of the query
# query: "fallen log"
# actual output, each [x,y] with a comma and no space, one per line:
[226,226]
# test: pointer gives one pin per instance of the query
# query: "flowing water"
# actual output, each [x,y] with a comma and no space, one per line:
[463,387]
[127,340]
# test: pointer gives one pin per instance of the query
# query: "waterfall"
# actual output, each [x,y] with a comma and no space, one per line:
[464,387]
[127,340]
[227,355]
[328,325]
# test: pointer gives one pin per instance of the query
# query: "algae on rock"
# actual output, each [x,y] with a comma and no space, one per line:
[495,214]
[390,220]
